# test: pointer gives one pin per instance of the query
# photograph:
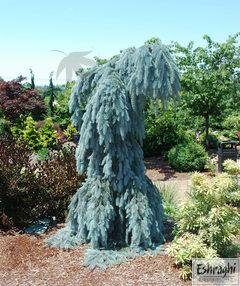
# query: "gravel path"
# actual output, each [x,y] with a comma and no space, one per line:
[159,171]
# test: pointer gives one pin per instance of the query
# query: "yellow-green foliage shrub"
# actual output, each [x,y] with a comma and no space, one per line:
[48,135]
[231,167]
[70,131]
[210,218]
[187,247]
[231,126]
[35,137]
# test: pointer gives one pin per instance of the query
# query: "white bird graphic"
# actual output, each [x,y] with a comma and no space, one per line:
[72,62]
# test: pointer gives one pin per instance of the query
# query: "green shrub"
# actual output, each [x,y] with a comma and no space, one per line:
[4,126]
[43,154]
[231,167]
[187,157]
[209,221]
[187,247]
[32,190]
[231,126]
[61,113]
[36,137]
[232,122]
[30,134]
[212,140]
[48,135]
[162,133]
[210,212]
[69,132]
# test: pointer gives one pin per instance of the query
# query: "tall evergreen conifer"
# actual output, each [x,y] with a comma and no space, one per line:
[117,205]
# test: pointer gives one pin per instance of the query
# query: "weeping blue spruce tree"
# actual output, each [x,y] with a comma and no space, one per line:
[117,205]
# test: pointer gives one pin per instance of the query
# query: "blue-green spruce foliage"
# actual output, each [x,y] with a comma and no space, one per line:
[117,205]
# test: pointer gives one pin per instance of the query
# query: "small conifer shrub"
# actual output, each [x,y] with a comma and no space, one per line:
[36,137]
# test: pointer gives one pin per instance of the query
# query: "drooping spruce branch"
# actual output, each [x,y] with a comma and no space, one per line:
[117,204]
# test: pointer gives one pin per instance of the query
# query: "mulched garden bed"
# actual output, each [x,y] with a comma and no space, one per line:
[25,260]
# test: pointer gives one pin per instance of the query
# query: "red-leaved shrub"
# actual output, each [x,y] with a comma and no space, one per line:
[16,100]
[31,189]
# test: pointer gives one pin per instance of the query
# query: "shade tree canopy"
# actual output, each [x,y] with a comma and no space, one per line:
[210,77]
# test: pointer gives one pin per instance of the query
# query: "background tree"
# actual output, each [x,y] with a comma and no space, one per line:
[32,79]
[152,41]
[100,61]
[210,77]
[61,111]
[51,94]
[117,205]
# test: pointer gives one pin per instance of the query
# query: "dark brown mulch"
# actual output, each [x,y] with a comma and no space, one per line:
[25,260]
